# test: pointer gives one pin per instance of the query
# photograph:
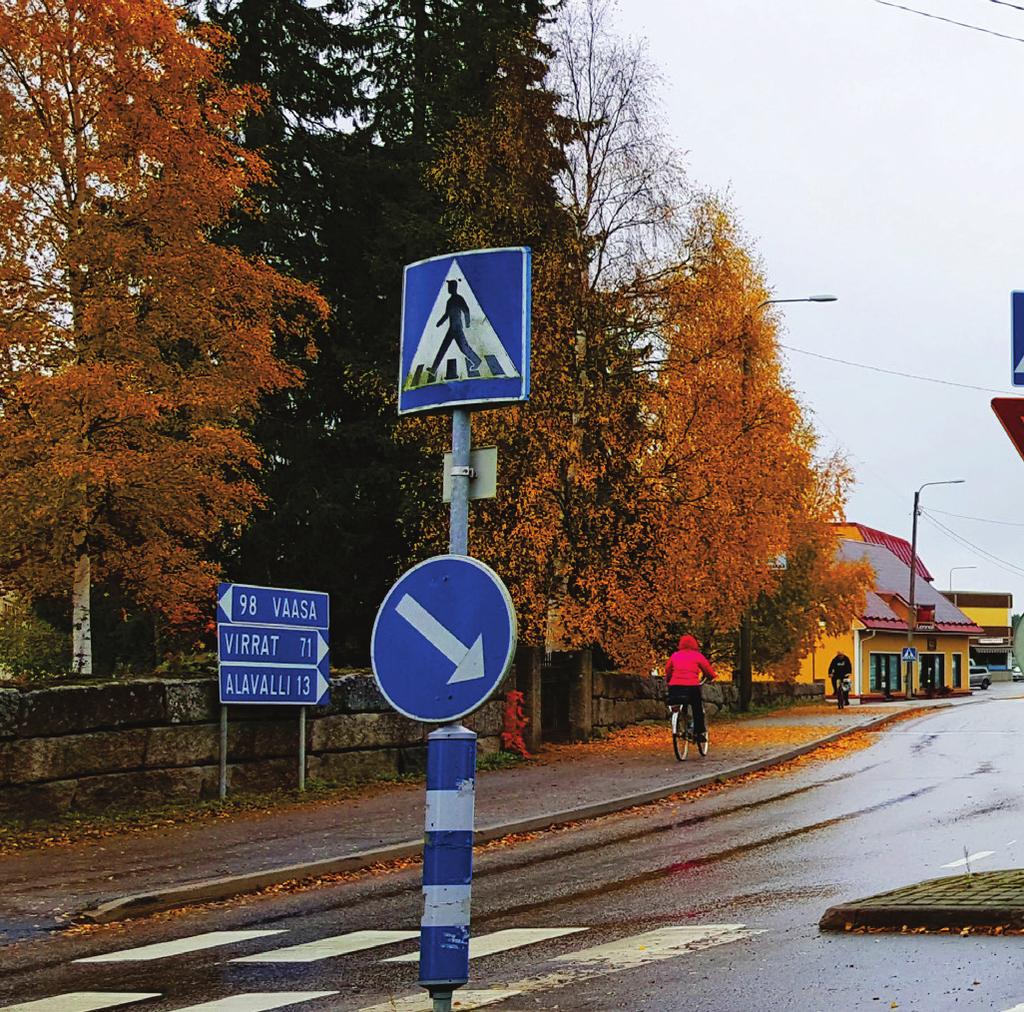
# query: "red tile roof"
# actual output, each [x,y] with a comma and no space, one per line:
[891,576]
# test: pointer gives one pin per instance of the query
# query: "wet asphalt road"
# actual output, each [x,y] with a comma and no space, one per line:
[770,855]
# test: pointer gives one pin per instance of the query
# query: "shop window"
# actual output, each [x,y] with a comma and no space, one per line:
[884,670]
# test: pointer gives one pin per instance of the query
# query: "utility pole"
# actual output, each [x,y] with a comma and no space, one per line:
[912,615]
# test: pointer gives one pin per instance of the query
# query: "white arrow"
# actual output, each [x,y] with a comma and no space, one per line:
[322,649]
[468,661]
[321,684]
[225,602]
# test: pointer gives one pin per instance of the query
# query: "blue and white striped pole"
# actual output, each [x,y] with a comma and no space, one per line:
[451,790]
[447,862]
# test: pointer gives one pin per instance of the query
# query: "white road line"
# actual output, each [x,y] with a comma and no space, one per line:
[971,857]
[325,948]
[1016,1008]
[81,1001]
[192,943]
[462,1001]
[598,961]
[1010,844]
[257,1001]
[499,941]
[661,943]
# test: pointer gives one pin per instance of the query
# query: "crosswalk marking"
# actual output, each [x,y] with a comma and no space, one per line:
[587,964]
[462,1001]
[81,1001]
[192,943]
[653,945]
[980,855]
[259,1001]
[499,941]
[324,948]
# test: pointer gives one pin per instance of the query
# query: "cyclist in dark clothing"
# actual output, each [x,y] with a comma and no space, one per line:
[839,671]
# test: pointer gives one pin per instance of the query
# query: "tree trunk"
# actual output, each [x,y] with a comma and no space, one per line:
[745,667]
[81,614]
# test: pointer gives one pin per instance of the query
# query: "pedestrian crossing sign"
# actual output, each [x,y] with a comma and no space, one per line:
[465,336]
[909,654]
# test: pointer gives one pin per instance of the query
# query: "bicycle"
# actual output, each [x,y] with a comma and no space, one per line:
[843,692]
[682,739]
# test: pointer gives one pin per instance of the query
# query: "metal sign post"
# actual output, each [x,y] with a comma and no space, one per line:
[445,634]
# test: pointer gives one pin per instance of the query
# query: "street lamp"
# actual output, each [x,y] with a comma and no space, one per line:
[953,570]
[746,672]
[912,619]
[806,298]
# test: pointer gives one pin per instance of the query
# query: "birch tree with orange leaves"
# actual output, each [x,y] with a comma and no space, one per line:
[133,349]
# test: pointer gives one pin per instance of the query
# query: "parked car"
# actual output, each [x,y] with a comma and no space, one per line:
[1016,675]
[979,677]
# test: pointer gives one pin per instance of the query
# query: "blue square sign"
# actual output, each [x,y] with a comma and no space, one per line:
[465,331]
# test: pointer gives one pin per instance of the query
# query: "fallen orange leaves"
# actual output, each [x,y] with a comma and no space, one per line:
[724,734]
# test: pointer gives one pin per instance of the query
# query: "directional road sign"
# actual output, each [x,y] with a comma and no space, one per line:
[908,654]
[238,602]
[443,639]
[272,645]
[465,330]
[1017,338]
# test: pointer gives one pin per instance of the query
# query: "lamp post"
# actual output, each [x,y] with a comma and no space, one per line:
[745,659]
[953,570]
[912,617]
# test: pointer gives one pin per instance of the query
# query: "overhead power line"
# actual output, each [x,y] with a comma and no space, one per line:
[1006,3]
[1003,564]
[893,372]
[950,21]
[980,520]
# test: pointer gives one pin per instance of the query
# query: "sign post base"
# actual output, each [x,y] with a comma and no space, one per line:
[447,862]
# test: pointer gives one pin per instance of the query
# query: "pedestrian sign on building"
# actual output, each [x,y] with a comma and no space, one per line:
[909,654]
[465,336]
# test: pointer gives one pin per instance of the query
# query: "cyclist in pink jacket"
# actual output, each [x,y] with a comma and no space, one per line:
[685,671]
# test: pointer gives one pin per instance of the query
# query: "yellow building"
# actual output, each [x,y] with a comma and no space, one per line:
[992,611]
[877,637]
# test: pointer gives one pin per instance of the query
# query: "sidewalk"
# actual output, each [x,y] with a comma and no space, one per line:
[42,889]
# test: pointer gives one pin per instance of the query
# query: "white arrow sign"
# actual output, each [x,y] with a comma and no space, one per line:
[468,661]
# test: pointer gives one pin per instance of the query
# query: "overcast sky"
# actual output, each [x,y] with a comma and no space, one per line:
[879,156]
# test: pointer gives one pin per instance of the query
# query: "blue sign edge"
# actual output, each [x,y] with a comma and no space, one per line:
[276,625]
[524,387]
[1016,325]
[513,637]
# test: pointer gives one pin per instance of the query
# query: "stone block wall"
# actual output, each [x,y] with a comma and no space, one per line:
[621,699]
[137,741]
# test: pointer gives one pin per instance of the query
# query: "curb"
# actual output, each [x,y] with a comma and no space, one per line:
[207,890]
[932,918]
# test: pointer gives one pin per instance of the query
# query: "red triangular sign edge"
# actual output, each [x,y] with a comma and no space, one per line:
[1010,412]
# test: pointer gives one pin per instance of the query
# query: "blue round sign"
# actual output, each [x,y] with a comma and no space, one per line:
[443,638]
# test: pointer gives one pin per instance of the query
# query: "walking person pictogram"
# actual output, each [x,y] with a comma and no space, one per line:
[456,312]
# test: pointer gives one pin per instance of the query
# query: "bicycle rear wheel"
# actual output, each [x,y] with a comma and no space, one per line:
[680,742]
